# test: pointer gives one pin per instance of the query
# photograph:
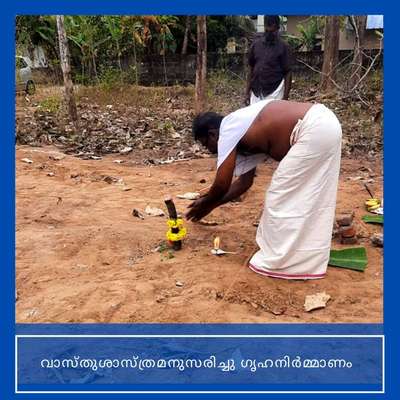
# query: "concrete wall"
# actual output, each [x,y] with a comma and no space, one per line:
[293,21]
[346,40]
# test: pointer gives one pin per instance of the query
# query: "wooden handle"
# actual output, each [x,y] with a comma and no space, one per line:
[171,207]
[173,215]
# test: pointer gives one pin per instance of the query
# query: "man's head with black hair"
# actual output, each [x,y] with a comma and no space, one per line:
[271,25]
[272,22]
[205,129]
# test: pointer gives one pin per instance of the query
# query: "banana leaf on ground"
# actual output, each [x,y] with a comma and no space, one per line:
[354,258]
[373,219]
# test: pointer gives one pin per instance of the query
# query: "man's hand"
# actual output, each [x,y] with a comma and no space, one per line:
[222,182]
[198,210]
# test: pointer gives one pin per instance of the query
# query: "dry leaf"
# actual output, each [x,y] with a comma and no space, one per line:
[154,212]
[377,239]
[189,196]
[56,157]
[126,150]
[315,301]
[137,213]
[208,223]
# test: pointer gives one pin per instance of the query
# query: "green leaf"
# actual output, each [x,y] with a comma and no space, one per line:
[373,219]
[354,258]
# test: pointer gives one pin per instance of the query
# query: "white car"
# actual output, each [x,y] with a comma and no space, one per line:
[23,75]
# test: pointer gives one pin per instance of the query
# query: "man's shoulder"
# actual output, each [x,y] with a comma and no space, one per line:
[257,37]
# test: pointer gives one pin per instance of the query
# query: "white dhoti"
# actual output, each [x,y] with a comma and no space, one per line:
[295,230]
[277,94]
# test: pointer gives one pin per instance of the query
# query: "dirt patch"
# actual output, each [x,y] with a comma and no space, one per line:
[82,257]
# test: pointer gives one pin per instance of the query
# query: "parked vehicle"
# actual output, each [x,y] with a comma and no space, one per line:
[23,74]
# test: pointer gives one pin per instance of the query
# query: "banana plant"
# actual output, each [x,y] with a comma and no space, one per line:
[134,26]
[84,34]
[309,33]
[113,25]
[164,40]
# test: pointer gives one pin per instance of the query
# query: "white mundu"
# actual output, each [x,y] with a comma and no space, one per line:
[277,94]
[295,229]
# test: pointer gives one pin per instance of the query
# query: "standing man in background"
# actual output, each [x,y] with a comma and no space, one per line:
[270,75]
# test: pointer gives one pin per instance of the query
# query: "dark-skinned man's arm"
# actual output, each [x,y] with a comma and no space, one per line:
[219,189]
[240,186]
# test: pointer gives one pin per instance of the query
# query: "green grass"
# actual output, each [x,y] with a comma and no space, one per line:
[50,104]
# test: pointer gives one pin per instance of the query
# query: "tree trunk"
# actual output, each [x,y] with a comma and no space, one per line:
[135,62]
[119,60]
[164,61]
[83,72]
[66,69]
[359,23]
[95,67]
[201,67]
[186,37]
[331,52]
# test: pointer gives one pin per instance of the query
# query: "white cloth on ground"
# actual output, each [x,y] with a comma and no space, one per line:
[233,127]
[277,94]
[295,230]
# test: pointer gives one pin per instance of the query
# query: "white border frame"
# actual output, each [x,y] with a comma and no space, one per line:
[200,391]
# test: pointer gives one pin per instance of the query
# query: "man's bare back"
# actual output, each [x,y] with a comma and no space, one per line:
[270,132]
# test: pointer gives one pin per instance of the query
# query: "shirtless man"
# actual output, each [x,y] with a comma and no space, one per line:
[294,233]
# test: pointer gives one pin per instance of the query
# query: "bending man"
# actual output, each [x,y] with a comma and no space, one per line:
[295,229]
